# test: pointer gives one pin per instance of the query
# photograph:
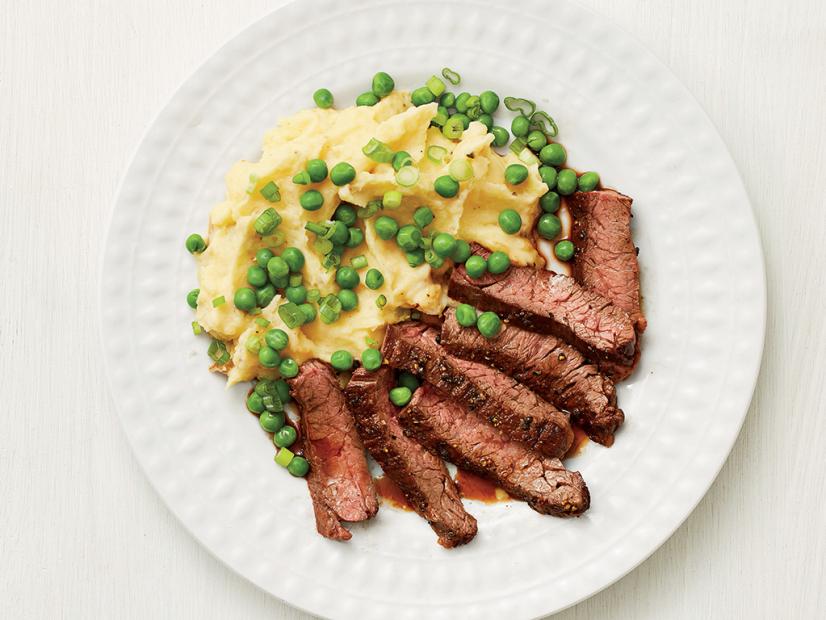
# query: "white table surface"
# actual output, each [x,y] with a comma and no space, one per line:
[82,534]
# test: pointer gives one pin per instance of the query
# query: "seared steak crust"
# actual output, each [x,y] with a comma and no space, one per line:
[420,475]
[451,431]
[340,484]
[502,401]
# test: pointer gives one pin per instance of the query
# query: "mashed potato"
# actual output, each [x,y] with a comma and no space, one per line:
[338,136]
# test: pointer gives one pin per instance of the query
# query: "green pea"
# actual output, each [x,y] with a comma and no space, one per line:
[400,396]
[342,174]
[461,102]
[192,298]
[263,296]
[520,126]
[309,312]
[341,360]
[448,100]
[409,237]
[476,266]
[323,98]
[347,277]
[317,169]
[564,250]
[339,233]
[283,390]
[548,226]
[446,186]
[294,259]
[463,118]
[408,380]
[374,279]
[271,422]
[285,436]
[371,359]
[268,357]
[277,268]
[367,99]
[548,175]
[489,101]
[288,368]
[346,214]
[489,324]
[516,174]
[296,294]
[566,182]
[298,467]
[401,159]
[444,244]
[553,154]
[498,262]
[466,315]
[434,260]
[276,339]
[255,403]
[414,258]
[461,251]
[421,96]
[549,202]
[349,300]
[510,221]
[382,85]
[423,216]
[244,299]
[256,276]
[356,237]
[311,200]
[386,227]
[588,182]
[486,120]
[263,256]
[536,140]
[195,244]
[500,135]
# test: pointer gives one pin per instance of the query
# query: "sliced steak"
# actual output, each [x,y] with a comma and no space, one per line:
[606,259]
[420,475]
[494,396]
[551,303]
[340,484]
[451,431]
[550,367]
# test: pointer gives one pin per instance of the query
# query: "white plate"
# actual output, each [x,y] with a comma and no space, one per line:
[621,113]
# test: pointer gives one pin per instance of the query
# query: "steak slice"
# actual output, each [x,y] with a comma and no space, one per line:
[451,431]
[502,401]
[606,259]
[420,475]
[551,303]
[340,484]
[550,367]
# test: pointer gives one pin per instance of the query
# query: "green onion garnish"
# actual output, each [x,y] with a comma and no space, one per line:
[370,342]
[439,120]
[218,301]
[218,352]
[436,153]
[526,156]
[253,345]
[313,295]
[407,176]
[368,211]
[196,328]
[331,261]
[435,86]
[378,151]
[284,457]
[453,128]
[359,262]
[291,314]
[296,279]
[461,169]
[275,239]
[251,184]
[518,145]
[270,192]
[538,119]
[516,104]
[316,228]
[381,302]
[434,260]
[267,222]
[262,322]
[392,199]
[323,246]
[330,309]
[451,76]
[302,178]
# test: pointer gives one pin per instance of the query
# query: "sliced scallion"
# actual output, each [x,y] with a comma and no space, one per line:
[196,328]
[408,176]
[218,301]
[330,309]
[451,76]
[518,145]
[323,246]
[267,222]
[271,192]
[359,262]
[316,228]
[262,322]
[253,344]
[526,156]
[517,104]
[284,457]
[313,295]
[381,302]
[378,151]
[368,211]
[461,169]
[291,314]
[454,127]
[539,119]
[218,352]
[435,86]
[436,154]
